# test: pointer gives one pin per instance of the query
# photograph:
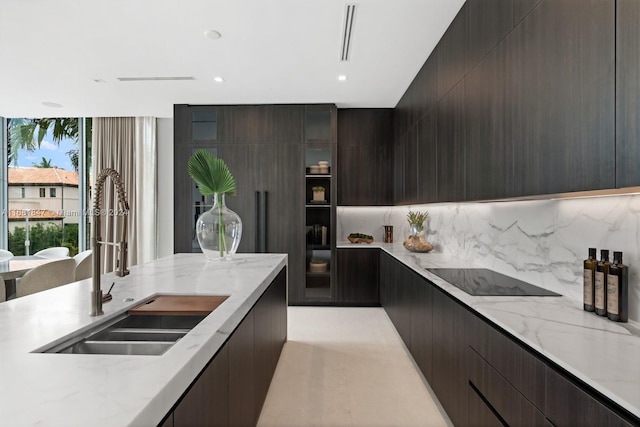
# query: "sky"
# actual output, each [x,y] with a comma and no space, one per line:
[50,151]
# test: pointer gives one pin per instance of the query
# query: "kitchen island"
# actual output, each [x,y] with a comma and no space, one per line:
[118,390]
[583,347]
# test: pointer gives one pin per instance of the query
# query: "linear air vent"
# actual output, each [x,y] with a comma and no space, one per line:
[347,31]
[152,79]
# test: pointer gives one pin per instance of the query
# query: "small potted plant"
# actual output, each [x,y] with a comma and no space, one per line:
[318,193]
[416,242]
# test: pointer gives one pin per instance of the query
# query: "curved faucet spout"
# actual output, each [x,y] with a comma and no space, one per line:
[96,241]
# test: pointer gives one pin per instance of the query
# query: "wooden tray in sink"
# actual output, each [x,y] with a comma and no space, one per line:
[180,305]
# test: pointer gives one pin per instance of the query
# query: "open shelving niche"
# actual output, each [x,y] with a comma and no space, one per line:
[318,226]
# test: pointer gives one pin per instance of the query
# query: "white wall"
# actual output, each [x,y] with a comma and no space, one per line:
[543,242]
[165,186]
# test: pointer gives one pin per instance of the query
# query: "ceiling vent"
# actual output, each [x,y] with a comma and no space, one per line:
[347,31]
[153,79]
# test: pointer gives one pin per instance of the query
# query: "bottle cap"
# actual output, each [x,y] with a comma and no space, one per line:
[592,252]
[617,257]
[604,254]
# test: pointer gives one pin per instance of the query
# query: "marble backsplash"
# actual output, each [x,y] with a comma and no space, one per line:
[541,241]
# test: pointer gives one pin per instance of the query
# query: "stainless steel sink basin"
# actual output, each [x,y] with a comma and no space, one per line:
[129,334]
[118,347]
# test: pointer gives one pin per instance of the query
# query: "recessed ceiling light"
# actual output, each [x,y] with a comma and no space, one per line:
[342,77]
[52,104]
[218,79]
[213,34]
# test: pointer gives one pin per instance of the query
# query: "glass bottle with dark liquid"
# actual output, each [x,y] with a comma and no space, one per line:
[618,290]
[602,271]
[590,265]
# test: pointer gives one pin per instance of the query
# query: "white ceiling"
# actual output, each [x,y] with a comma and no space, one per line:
[271,51]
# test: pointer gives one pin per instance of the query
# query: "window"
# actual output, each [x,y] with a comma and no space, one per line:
[29,162]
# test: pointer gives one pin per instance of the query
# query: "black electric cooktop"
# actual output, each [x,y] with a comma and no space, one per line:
[484,282]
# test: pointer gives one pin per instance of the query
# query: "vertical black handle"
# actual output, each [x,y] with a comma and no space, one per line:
[258,216]
[265,210]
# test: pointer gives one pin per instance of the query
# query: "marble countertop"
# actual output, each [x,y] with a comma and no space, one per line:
[602,353]
[102,390]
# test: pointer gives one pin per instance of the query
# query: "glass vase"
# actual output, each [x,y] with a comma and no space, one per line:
[219,230]
[416,229]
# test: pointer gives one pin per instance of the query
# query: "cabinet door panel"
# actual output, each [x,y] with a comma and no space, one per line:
[450,356]
[521,368]
[262,124]
[627,89]
[451,146]
[562,98]
[207,402]
[268,337]
[568,405]
[427,150]
[422,325]
[358,276]
[508,402]
[451,53]
[242,405]
[364,153]
[488,22]
[489,150]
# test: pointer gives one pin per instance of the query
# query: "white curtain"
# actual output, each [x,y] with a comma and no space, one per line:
[129,146]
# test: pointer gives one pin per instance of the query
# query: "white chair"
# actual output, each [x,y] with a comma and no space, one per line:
[84,267]
[46,276]
[55,252]
[5,255]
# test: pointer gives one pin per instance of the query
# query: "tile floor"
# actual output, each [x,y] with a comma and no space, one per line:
[347,367]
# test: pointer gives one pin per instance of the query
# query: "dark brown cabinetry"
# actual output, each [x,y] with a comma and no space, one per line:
[364,157]
[450,356]
[264,146]
[242,402]
[357,273]
[627,153]
[451,145]
[569,405]
[451,53]
[480,374]
[232,387]
[527,113]
[207,402]
[562,98]
[427,160]
[488,21]
[489,149]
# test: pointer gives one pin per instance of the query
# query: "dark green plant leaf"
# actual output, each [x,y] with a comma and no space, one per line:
[211,174]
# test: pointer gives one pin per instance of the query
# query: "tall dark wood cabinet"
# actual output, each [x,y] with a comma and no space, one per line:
[627,89]
[562,97]
[265,147]
[364,153]
[489,147]
[427,157]
[451,146]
